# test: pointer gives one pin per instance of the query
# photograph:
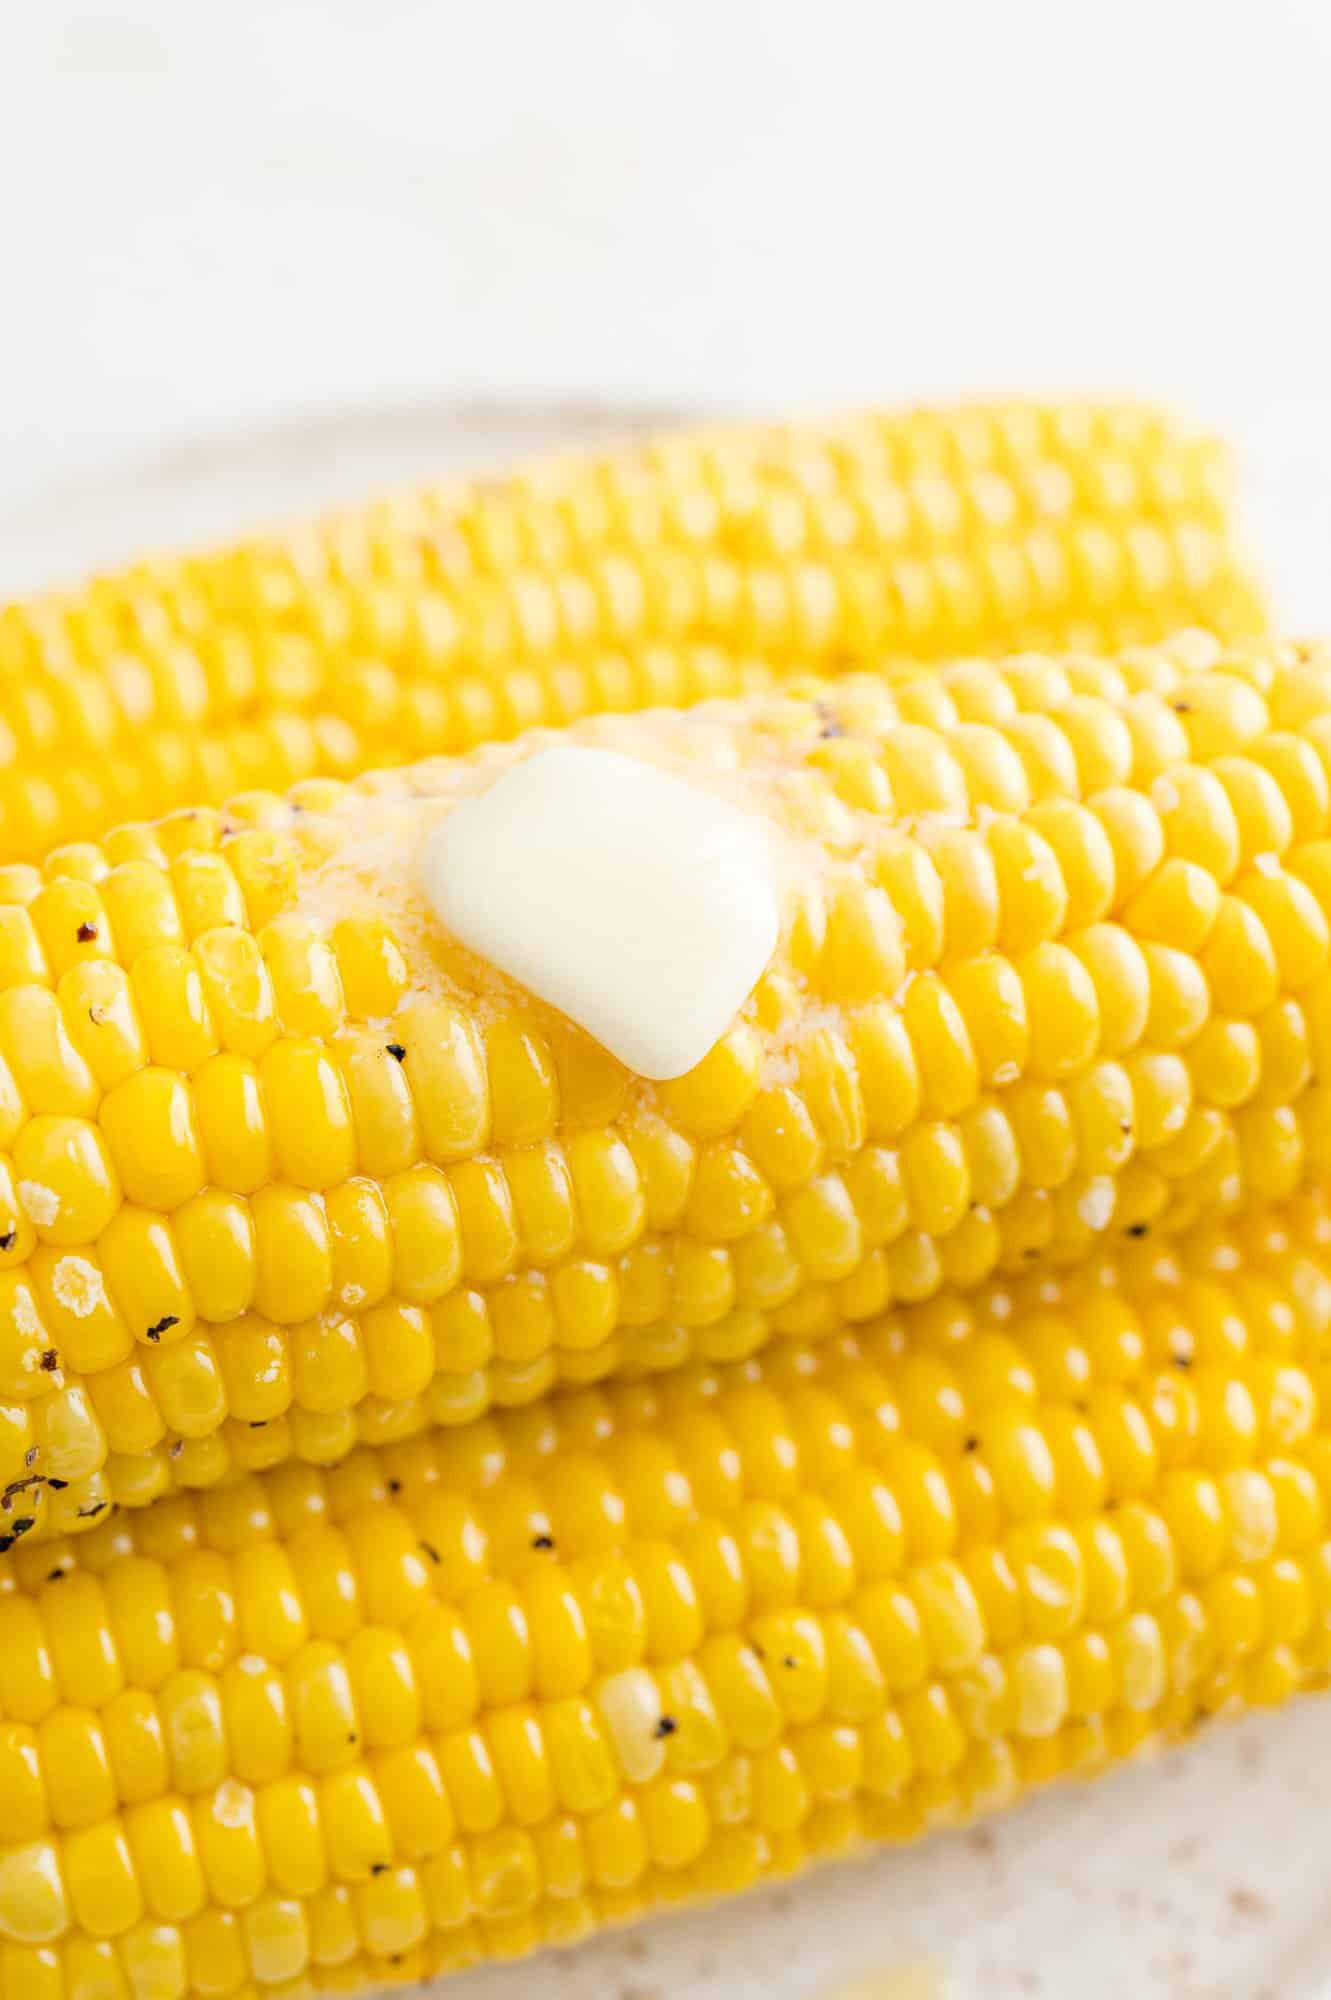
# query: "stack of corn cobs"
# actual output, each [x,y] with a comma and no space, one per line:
[455,1493]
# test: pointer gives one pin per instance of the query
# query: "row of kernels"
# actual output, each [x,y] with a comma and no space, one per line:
[1186,1517]
[134,615]
[785,1674]
[170,1861]
[440,733]
[699,492]
[72,800]
[1050,917]
[1023,1454]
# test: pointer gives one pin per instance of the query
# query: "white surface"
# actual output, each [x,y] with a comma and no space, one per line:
[640,905]
[226,214]
[219,216]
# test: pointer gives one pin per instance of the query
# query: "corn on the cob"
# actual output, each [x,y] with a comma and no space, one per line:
[281,1167]
[668,572]
[464,1695]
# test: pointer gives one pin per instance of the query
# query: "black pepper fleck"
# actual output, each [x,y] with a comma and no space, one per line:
[379,1868]
[542,1541]
[1138,1229]
[56,1485]
[86,932]
[163,1325]
[50,1360]
[258,1423]
[395,1485]
[17,1531]
[972,1444]
[667,1726]
[432,1552]
[54,1575]
[396,1050]
[9,1239]
[789,1660]
[93,1508]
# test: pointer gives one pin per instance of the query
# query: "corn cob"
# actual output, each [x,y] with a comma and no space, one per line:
[458,1697]
[697,566]
[281,1168]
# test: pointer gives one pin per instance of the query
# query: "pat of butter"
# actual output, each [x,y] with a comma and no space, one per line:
[642,907]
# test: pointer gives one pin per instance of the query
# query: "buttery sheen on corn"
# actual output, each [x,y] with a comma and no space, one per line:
[668,571]
[281,1167]
[488,1689]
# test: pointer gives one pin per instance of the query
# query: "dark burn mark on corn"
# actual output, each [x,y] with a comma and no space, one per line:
[17,1530]
[91,1511]
[32,1483]
[163,1325]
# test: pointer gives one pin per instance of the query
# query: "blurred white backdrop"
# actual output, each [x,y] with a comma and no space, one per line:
[219,216]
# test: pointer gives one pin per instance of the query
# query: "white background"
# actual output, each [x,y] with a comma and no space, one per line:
[218,215]
[340,239]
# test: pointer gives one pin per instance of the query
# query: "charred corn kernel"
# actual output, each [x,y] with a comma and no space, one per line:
[327,1718]
[693,568]
[980,1042]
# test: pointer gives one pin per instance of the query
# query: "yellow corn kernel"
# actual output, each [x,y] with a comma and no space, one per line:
[1126,1030]
[630,581]
[446,1683]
